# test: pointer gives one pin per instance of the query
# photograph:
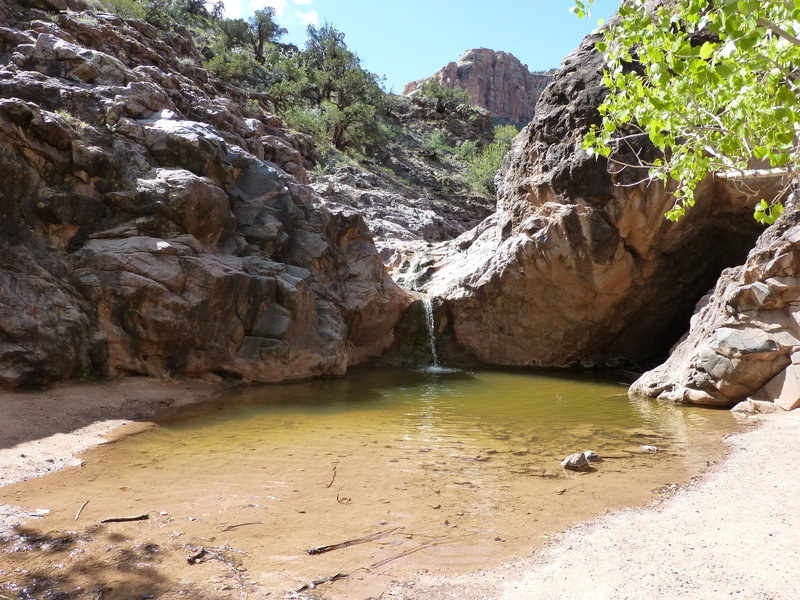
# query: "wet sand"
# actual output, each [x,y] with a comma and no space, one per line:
[43,431]
[247,548]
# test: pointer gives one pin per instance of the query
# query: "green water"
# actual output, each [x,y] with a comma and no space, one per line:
[540,417]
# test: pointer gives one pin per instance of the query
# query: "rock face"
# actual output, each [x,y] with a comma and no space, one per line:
[744,339]
[497,81]
[579,265]
[148,225]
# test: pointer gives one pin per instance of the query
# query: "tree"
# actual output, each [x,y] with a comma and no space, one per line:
[347,96]
[263,29]
[235,33]
[713,84]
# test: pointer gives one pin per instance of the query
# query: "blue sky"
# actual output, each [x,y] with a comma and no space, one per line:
[410,39]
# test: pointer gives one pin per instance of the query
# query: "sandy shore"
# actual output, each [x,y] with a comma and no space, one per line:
[735,533]
[43,431]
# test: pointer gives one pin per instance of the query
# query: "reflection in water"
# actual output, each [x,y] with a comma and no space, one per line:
[532,420]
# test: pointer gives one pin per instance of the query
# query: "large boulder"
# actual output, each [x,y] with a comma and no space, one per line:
[579,265]
[144,230]
[744,339]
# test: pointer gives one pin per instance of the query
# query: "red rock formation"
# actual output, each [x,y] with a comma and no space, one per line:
[497,81]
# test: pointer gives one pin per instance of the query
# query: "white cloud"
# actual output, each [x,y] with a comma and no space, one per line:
[302,1]
[278,5]
[308,18]
[235,9]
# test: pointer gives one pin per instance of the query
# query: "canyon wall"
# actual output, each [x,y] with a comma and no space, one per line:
[578,266]
[496,81]
[744,340]
[154,220]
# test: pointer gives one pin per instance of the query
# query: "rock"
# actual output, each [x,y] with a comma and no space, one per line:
[755,407]
[648,448]
[78,64]
[744,340]
[582,258]
[591,456]
[136,239]
[496,81]
[576,462]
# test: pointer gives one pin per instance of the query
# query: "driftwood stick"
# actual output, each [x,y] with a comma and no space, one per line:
[80,510]
[380,563]
[123,519]
[231,527]
[312,584]
[361,540]
[333,468]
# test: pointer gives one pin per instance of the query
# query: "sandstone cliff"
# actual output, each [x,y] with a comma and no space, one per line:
[744,339]
[148,224]
[496,81]
[579,265]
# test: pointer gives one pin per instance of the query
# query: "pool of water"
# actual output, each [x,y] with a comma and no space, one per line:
[462,468]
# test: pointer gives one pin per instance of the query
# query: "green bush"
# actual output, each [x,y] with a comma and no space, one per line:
[467,150]
[434,89]
[482,168]
[127,9]
[435,143]
[235,66]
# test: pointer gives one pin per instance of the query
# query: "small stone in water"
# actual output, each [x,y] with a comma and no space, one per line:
[576,462]
[648,448]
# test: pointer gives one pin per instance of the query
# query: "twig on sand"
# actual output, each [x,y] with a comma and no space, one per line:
[123,519]
[353,542]
[312,584]
[231,527]
[80,510]
[333,468]
[380,563]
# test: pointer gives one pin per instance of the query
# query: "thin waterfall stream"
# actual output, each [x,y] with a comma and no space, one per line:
[427,303]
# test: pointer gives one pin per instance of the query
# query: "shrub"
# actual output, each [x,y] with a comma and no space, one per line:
[127,9]
[436,90]
[482,168]
[435,143]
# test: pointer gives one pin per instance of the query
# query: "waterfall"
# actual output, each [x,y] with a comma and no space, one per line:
[427,304]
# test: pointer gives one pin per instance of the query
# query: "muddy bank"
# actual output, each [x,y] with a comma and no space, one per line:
[734,533]
[43,431]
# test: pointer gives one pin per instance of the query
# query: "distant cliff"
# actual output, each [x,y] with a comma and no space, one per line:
[497,81]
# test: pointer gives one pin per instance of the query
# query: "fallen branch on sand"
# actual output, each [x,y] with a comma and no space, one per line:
[231,527]
[124,519]
[353,542]
[333,468]
[312,584]
[80,510]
